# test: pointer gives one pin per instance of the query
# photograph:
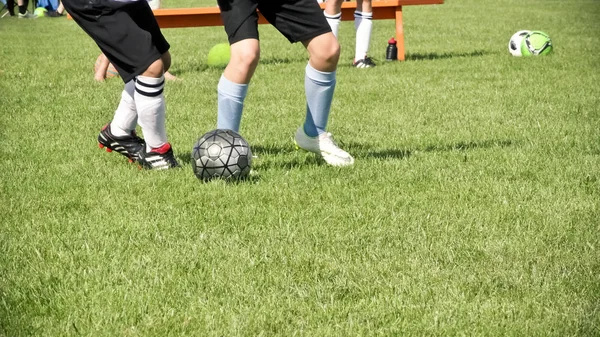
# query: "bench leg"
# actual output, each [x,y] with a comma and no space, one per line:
[399,34]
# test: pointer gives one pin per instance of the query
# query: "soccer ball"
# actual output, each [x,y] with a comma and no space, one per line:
[221,154]
[536,43]
[514,44]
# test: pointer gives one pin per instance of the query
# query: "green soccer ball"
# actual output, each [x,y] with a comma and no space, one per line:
[39,12]
[218,55]
[536,43]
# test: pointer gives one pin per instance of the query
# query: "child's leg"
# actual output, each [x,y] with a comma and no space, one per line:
[333,14]
[150,104]
[23,6]
[101,66]
[363,24]
[319,82]
[233,85]
[10,5]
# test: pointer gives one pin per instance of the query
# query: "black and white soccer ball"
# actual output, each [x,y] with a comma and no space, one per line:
[514,44]
[221,154]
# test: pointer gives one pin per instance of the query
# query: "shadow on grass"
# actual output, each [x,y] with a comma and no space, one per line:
[279,60]
[185,159]
[190,67]
[268,153]
[438,56]
[187,67]
[463,146]
[365,151]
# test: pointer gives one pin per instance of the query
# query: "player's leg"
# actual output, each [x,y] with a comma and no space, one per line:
[151,107]
[101,67]
[333,14]
[23,12]
[363,23]
[10,6]
[126,142]
[151,60]
[131,39]
[302,21]
[241,25]
[126,117]
[319,85]
[319,82]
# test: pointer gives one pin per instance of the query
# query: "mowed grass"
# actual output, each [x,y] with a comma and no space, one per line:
[473,207]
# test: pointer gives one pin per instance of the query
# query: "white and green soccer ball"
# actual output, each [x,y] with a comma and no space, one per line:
[514,44]
[536,43]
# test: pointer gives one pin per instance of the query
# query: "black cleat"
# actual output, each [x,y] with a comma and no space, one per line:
[53,14]
[129,146]
[161,158]
[367,62]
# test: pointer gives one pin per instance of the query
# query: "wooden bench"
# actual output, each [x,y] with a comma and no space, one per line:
[210,16]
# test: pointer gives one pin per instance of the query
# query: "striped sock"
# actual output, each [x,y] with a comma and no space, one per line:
[150,105]
[334,22]
[363,24]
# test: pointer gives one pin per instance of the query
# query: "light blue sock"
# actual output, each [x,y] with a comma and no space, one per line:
[231,102]
[319,87]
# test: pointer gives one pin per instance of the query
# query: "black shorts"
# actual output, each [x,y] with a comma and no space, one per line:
[297,20]
[126,32]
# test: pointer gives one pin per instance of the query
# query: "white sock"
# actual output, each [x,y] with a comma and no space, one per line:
[125,118]
[150,104]
[364,25]
[334,22]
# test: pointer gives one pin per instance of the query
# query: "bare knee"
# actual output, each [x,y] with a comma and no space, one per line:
[324,52]
[244,59]
[330,54]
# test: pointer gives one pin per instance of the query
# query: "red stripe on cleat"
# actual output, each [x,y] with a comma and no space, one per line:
[108,149]
[100,146]
[130,160]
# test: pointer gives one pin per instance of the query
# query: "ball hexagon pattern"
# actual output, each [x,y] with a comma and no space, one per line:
[221,154]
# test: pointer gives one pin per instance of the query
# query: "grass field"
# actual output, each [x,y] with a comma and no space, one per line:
[473,207]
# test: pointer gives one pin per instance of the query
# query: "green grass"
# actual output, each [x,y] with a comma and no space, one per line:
[473,207]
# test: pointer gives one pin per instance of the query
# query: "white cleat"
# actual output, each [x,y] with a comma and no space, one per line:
[325,146]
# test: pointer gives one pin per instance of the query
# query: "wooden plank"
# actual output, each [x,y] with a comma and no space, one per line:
[210,16]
